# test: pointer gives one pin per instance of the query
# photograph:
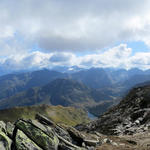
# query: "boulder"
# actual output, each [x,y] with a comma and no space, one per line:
[48,123]
[63,133]
[42,139]
[68,144]
[22,142]
[9,129]
[44,120]
[2,126]
[46,129]
[77,137]
[5,141]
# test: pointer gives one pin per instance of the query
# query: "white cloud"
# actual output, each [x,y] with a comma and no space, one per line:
[37,60]
[69,25]
[65,27]
[114,57]
[119,56]
[140,60]
[29,61]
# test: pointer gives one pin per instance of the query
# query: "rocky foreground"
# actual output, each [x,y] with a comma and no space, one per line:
[43,134]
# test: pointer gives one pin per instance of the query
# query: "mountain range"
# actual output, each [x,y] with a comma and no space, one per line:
[93,88]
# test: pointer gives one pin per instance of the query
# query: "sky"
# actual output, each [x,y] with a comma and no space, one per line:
[84,33]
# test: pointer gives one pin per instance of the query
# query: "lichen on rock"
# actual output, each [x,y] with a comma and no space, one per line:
[37,135]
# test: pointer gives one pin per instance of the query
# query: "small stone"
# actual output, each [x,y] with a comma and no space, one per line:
[137,122]
[132,142]
[106,141]
[91,143]
[114,144]
[83,144]
[91,148]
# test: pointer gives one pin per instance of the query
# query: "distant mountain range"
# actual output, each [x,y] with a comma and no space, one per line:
[95,78]
[13,83]
[79,87]
[65,92]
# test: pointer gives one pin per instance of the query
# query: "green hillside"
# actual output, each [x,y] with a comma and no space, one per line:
[59,114]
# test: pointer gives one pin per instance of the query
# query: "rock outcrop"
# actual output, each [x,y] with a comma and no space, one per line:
[43,134]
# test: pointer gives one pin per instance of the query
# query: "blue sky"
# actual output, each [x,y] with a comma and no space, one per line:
[99,33]
[138,46]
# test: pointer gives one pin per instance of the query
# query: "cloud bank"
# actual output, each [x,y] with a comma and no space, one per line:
[61,29]
[117,57]
[70,25]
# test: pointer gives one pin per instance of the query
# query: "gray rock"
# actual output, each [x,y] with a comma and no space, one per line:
[66,147]
[22,142]
[63,133]
[77,137]
[106,140]
[9,129]
[39,137]
[69,144]
[132,142]
[91,143]
[44,120]
[114,144]
[2,126]
[5,141]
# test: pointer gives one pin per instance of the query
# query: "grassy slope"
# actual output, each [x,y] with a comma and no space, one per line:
[59,114]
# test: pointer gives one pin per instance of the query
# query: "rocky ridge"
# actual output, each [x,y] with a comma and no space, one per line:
[130,116]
